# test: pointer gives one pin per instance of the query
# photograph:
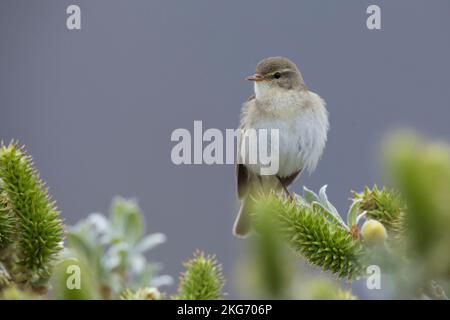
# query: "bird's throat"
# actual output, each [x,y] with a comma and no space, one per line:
[264,91]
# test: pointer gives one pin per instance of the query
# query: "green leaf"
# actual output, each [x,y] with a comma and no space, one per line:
[39,229]
[114,247]
[116,255]
[312,235]
[310,196]
[327,213]
[127,219]
[353,213]
[323,195]
[149,242]
[328,207]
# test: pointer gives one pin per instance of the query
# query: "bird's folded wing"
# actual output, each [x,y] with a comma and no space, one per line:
[242,179]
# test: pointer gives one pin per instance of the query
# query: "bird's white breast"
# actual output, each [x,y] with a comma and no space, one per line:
[302,122]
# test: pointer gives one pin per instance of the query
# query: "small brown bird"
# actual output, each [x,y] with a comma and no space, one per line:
[281,101]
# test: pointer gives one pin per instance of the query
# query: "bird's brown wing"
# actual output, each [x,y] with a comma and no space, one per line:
[242,179]
[242,174]
[286,181]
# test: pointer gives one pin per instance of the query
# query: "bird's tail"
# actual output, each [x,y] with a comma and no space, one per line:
[242,225]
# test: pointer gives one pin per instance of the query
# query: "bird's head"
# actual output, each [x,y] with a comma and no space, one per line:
[275,74]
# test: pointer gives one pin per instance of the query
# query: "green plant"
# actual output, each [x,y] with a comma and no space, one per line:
[12,292]
[405,231]
[7,220]
[269,269]
[114,249]
[104,257]
[202,279]
[31,232]
[314,233]
[420,170]
[320,288]
[385,206]
[142,294]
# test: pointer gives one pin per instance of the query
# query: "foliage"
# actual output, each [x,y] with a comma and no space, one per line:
[31,232]
[142,294]
[202,279]
[320,203]
[314,234]
[113,248]
[73,279]
[266,268]
[405,231]
[321,288]
[14,293]
[421,172]
[385,206]
[410,224]
[7,220]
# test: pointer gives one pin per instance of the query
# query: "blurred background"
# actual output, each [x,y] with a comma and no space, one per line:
[96,107]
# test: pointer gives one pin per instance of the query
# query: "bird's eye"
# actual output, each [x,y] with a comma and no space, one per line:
[277,75]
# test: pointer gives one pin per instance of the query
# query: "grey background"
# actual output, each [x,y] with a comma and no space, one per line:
[96,107]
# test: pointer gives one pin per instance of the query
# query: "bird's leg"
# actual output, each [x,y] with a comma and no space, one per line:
[285,189]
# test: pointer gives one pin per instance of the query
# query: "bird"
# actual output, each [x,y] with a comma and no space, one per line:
[282,101]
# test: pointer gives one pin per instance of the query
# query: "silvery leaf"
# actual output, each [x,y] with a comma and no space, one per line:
[99,222]
[361,216]
[164,280]
[323,199]
[111,261]
[329,214]
[353,213]
[327,204]
[333,209]
[138,263]
[116,255]
[310,196]
[150,241]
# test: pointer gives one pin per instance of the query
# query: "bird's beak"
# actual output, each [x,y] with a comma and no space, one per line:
[255,77]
